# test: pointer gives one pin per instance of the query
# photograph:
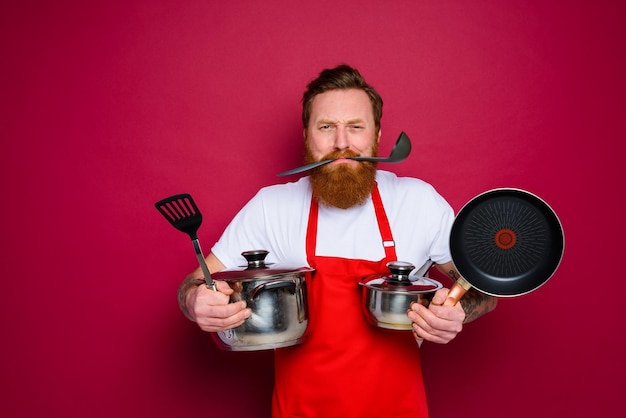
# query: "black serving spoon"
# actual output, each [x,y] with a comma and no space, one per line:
[400,151]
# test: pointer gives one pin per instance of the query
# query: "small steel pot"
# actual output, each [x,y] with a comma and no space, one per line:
[387,297]
[277,296]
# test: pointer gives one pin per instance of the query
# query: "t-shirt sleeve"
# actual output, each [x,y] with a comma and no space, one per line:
[242,234]
[440,248]
[273,220]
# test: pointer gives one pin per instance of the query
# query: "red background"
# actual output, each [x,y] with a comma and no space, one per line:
[108,107]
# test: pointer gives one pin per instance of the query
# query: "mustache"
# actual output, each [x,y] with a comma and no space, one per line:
[335,155]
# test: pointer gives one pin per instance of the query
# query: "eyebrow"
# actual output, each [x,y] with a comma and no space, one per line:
[334,122]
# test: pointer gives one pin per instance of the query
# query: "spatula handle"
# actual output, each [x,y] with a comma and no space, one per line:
[205,269]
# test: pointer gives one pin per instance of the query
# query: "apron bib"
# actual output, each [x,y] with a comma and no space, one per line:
[347,368]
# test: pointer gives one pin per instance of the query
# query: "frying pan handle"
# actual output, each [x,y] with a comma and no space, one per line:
[457,291]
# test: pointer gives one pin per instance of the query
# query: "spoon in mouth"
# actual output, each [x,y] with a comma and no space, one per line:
[399,152]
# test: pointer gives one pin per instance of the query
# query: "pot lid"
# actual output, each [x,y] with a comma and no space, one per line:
[400,280]
[257,268]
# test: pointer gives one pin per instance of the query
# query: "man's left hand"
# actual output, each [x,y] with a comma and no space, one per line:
[437,323]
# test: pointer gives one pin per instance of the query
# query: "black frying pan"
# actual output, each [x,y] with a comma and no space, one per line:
[504,242]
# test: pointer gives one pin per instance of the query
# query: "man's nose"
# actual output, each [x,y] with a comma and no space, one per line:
[341,138]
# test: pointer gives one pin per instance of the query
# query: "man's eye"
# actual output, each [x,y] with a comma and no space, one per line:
[325,127]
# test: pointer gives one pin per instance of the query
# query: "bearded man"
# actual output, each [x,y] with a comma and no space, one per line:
[346,220]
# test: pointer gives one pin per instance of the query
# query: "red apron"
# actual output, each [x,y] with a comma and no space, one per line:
[347,368]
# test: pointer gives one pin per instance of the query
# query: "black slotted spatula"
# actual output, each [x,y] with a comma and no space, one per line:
[181,211]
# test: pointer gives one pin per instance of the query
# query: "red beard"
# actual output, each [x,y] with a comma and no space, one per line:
[342,185]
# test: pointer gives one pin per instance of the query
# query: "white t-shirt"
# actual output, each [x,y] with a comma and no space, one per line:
[276,218]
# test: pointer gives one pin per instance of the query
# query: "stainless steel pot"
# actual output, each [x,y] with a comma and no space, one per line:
[387,297]
[277,296]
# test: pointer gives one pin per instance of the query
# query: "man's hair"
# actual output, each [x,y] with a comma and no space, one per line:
[342,77]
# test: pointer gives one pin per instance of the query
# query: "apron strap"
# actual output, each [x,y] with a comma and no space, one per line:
[383,225]
[311,233]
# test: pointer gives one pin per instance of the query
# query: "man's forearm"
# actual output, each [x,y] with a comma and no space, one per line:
[476,304]
[183,290]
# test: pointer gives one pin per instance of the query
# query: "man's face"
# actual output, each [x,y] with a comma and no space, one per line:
[341,124]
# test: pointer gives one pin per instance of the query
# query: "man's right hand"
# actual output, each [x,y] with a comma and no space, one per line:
[212,311]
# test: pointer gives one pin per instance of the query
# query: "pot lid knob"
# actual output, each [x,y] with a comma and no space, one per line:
[255,258]
[400,271]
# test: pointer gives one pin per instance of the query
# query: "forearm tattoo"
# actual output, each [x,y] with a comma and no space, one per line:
[474,303]
[453,275]
[184,287]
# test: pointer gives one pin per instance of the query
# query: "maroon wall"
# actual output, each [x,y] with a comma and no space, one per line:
[110,106]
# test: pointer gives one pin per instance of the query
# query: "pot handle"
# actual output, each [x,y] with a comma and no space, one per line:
[273,284]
